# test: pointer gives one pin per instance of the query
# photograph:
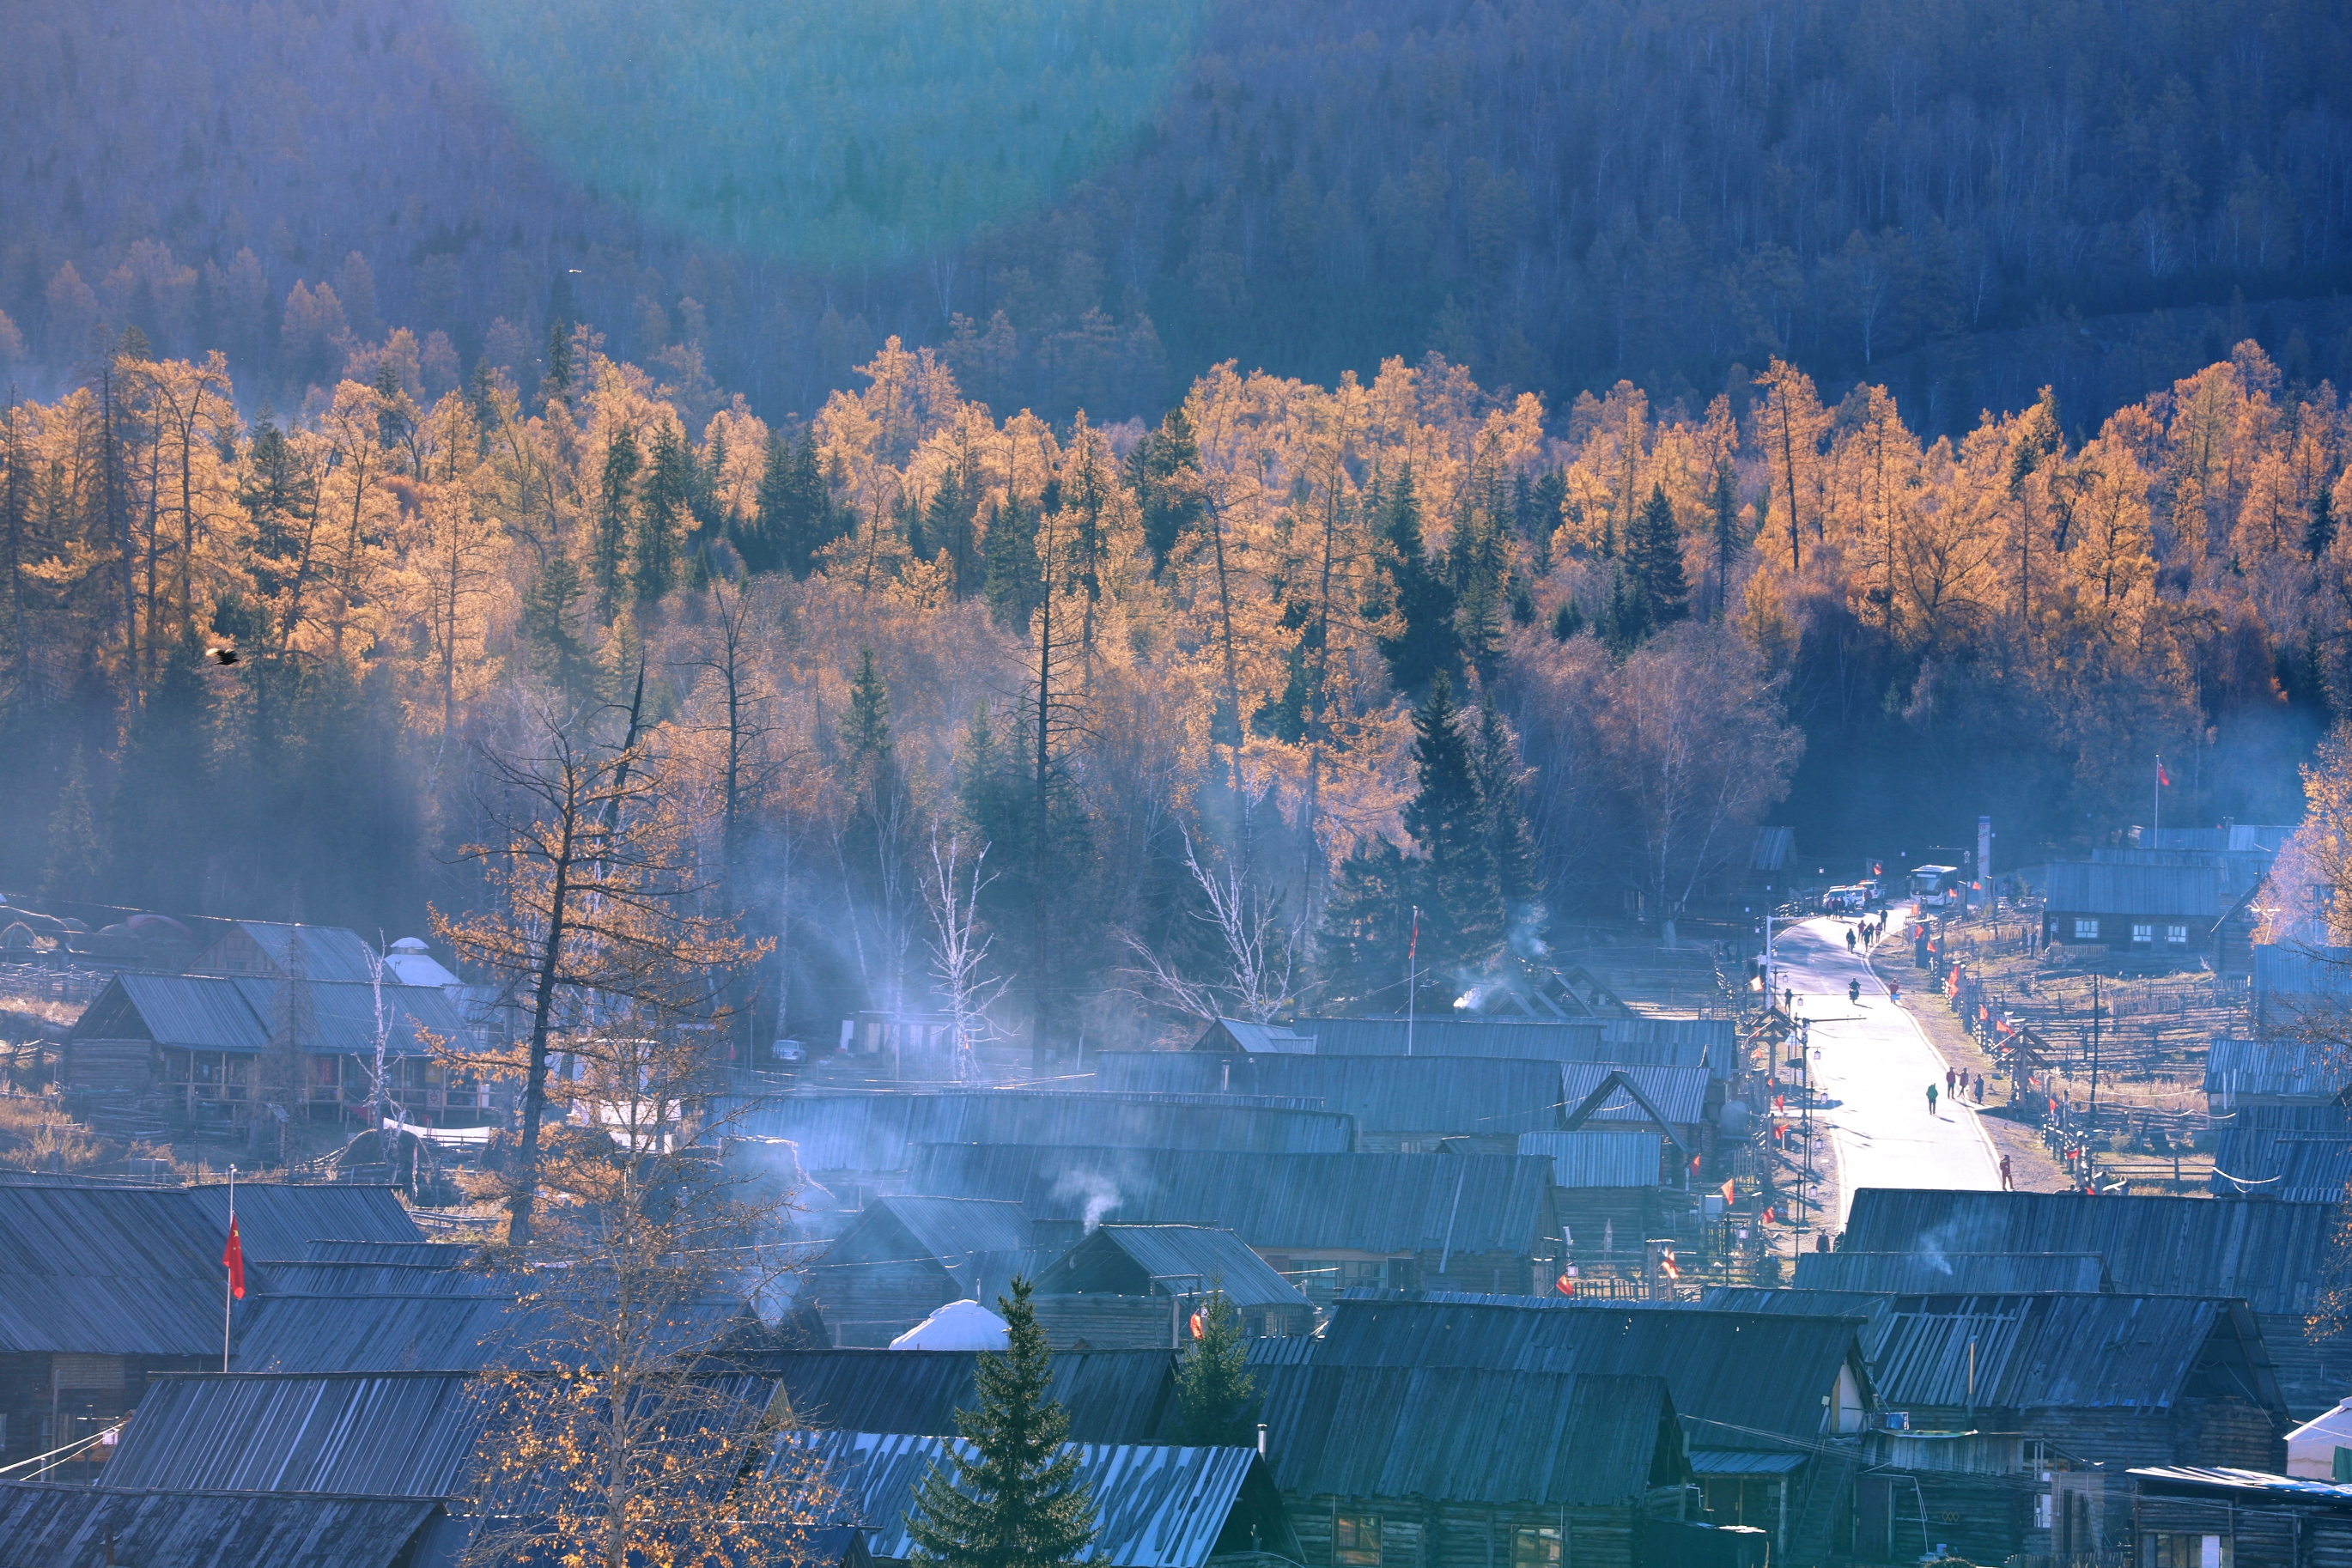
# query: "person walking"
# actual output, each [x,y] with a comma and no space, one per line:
[1849,939]
[2006,1184]
[1931,1100]
[1950,1074]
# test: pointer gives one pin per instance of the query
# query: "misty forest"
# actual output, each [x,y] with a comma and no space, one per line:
[1338,498]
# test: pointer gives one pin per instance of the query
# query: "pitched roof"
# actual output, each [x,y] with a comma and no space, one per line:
[429,1333]
[1378,1203]
[1472,1435]
[1679,1093]
[235,1012]
[1738,1379]
[1592,1158]
[1385,1094]
[111,1271]
[1135,1259]
[1637,1042]
[2271,1254]
[2313,1070]
[876,1131]
[88,1527]
[2287,1164]
[1113,1396]
[2193,892]
[401,1433]
[942,1230]
[1242,1034]
[1971,1271]
[329,953]
[1155,1506]
[2041,1350]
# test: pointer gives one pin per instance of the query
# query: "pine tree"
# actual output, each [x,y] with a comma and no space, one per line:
[74,856]
[1215,1399]
[1499,773]
[2321,532]
[1654,551]
[1461,904]
[866,743]
[1018,1501]
[615,515]
[551,641]
[668,493]
[559,359]
[1015,586]
[1367,923]
[1567,621]
[1422,600]
[759,538]
[1157,471]
[1724,505]
[1550,502]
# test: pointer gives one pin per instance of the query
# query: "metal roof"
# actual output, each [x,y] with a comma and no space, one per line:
[942,1230]
[2272,1255]
[311,1277]
[1679,1093]
[2189,891]
[1739,1379]
[2291,1166]
[1239,1034]
[1385,1094]
[435,1333]
[329,953]
[1375,1202]
[282,1219]
[2292,971]
[137,1271]
[2260,1482]
[2315,1070]
[1472,1435]
[91,1527]
[1587,1158]
[1155,1506]
[875,1132]
[235,1013]
[1742,1462]
[2040,1351]
[1973,1271]
[1135,1259]
[431,1253]
[1113,1396]
[377,1435]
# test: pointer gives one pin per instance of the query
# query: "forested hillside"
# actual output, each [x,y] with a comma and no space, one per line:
[1964,201]
[1270,671]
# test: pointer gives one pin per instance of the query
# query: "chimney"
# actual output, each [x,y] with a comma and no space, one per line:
[1261,1435]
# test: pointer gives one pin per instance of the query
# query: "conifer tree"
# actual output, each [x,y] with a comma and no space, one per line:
[1215,1393]
[1367,923]
[1014,586]
[616,513]
[661,516]
[74,853]
[759,538]
[1655,553]
[2321,532]
[1725,506]
[1461,903]
[553,646]
[1162,471]
[1421,598]
[1499,773]
[1018,1500]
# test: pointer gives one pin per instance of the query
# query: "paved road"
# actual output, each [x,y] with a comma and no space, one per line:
[1871,1070]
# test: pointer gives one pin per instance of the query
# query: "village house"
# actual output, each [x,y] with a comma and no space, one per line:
[1112,1395]
[902,1258]
[1155,1506]
[1772,1407]
[2192,1517]
[1137,1285]
[1453,1467]
[1329,1223]
[2174,906]
[2273,1256]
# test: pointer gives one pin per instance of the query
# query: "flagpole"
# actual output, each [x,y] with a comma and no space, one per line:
[229,1285]
[1411,975]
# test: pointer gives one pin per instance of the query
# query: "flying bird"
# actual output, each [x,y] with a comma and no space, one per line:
[222,654]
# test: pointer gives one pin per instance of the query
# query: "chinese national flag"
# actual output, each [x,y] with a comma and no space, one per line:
[1726,1194]
[2161,776]
[233,1259]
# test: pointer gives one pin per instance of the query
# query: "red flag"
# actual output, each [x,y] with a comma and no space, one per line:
[1768,1214]
[1666,1262]
[1412,944]
[1694,1164]
[1727,1194]
[1199,1330]
[1566,1285]
[233,1259]
[2161,776]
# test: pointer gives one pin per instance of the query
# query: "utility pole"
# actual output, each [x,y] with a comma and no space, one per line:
[2091,1126]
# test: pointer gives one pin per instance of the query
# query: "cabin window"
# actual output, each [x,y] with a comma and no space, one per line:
[1356,1539]
[2177,935]
[2169,1551]
[1534,1549]
[2143,934]
[2086,930]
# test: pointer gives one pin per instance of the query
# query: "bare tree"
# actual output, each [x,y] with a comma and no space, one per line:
[959,946]
[1260,949]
